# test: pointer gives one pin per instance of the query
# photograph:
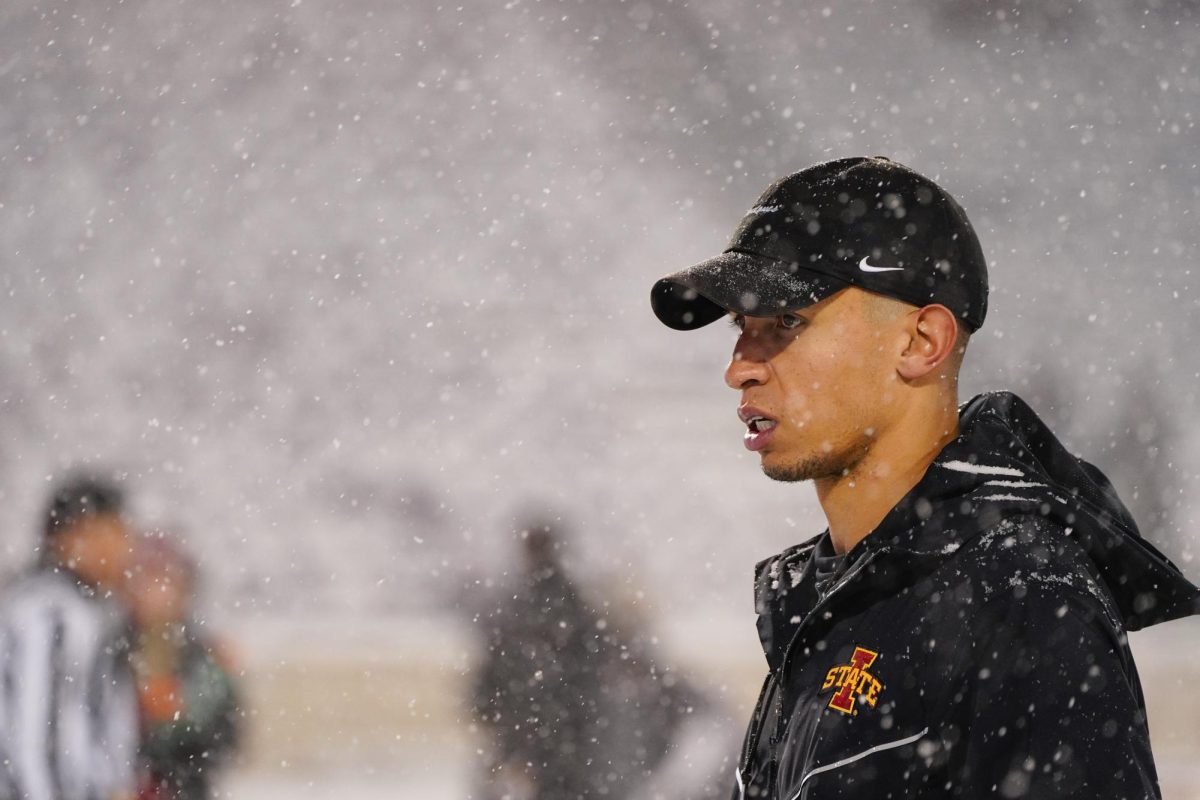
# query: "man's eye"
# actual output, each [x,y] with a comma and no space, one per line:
[738,321]
[790,321]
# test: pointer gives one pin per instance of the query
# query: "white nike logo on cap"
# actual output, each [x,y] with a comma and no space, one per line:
[865,267]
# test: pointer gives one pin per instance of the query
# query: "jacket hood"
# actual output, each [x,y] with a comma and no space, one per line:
[1006,463]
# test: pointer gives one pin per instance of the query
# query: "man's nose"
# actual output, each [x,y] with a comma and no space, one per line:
[747,367]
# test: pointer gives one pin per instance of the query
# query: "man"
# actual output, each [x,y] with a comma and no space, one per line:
[68,716]
[538,691]
[572,696]
[959,630]
[187,689]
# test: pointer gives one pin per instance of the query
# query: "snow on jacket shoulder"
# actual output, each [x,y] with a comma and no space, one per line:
[1046,700]
[975,645]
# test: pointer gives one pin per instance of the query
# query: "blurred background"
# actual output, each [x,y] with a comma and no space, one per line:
[340,288]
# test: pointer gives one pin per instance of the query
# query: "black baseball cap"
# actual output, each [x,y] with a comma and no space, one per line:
[866,222]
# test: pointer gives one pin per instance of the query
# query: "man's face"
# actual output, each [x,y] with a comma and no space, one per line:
[97,548]
[160,594]
[816,384]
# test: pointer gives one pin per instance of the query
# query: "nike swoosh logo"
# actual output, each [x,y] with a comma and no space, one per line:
[865,267]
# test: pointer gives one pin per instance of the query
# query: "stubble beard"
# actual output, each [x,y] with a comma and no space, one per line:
[818,467]
[809,469]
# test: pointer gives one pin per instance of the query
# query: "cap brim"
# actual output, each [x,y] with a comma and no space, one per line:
[738,282]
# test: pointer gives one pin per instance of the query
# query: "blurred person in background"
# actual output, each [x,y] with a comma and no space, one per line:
[68,709]
[187,691]
[572,699]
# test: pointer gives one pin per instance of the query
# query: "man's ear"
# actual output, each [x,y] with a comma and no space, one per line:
[933,333]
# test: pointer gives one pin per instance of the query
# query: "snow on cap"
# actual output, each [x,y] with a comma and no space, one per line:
[866,222]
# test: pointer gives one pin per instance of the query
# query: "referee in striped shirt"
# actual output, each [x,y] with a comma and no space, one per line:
[68,717]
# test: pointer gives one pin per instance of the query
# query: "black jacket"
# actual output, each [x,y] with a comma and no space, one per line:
[975,645]
[181,756]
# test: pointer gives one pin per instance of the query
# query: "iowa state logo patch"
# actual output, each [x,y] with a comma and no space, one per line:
[853,682]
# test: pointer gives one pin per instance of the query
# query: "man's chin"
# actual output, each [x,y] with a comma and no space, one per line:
[796,471]
[787,473]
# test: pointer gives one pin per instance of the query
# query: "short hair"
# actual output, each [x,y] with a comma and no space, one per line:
[882,309]
[960,344]
[80,496]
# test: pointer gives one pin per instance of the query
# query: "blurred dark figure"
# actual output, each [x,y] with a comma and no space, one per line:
[570,697]
[68,711]
[186,688]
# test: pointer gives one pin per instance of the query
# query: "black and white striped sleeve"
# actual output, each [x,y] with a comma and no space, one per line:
[114,724]
[68,719]
[34,675]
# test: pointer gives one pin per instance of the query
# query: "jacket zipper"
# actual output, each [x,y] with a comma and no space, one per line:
[758,719]
[812,729]
[784,716]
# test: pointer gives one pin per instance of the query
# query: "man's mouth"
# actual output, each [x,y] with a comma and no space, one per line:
[759,428]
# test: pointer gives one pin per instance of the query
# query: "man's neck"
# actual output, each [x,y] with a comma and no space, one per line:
[857,502]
